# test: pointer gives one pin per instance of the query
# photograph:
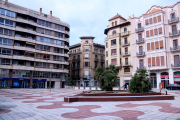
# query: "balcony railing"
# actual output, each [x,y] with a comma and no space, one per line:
[125,33]
[140,40]
[96,59]
[140,53]
[175,48]
[114,53]
[140,29]
[125,43]
[175,66]
[126,53]
[172,20]
[78,67]
[73,68]
[141,67]
[126,64]
[86,57]
[102,60]
[79,51]
[74,60]
[75,76]
[174,33]
[114,35]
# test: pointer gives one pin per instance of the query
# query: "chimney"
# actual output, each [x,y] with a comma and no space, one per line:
[50,14]
[40,11]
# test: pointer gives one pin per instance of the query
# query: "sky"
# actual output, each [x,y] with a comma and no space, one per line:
[90,17]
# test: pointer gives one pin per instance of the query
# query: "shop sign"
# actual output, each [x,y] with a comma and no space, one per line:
[176,76]
[39,80]
[4,78]
[21,79]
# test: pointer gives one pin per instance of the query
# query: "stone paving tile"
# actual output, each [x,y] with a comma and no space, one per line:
[41,104]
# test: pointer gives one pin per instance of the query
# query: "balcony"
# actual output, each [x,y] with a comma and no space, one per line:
[174,33]
[78,67]
[126,43]
[96,59]
[74,60]
[73,68]
[173,20]
[114,53]
[102,60]
[140,54]
[86,58]
[140,40]
[126,64]
[175,48]
[175,66]
[126,53]
[77,52]
[139,29]
[125,33]
[114,35]
[141,67]
[86,50]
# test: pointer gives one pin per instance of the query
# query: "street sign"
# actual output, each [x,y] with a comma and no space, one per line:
[88,77]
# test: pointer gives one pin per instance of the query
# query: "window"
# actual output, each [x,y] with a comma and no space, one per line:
[148,46]
[125,29]
[59,27]
[37,74]
[115,22]
[147,33]
[140,36]
[7,13]
[154,19]
[113,42]
[155,31]
[112,23]
[175,44]
[6,22]
[58,50]
[42,65]
[139,25]
[114,32]
[4,41]
[176,60]
[86,48]
[146,21]
[86,56]
[43,48]
[58,42]
[126,70]
[157,61]
[95,50]
[161,44]
[6,32]
[150,20]
[59,35]
[149,62]
[43,39]
[86,64]
[43,31]
[4,61]
[151,32]
[44,23]
[153,61]
[174,29]
[162,60]
[86,72]
[113,61]
[58,58]
[101,51]
[106,44]
[113,52]
[106,53]
[152,46]
[159,18]
[160,30]
[86,41]
[172,15]
[125,41]
[5,51]
[55,75]
[157,45]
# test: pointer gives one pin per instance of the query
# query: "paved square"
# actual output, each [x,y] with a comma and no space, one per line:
[41,104]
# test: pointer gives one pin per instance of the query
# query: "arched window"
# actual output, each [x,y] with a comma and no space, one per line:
[172,15]
[177,73]
[114,32]
[125,29]
[165,73]
[115,22]
[112,23]
[126,70]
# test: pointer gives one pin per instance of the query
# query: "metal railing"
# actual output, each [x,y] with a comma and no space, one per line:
[73,68]
[140,40]
[114,53]
[175,48]
[172,20]
[140,53]
[126,43]
[96,59]
[173,33]
[175,66]
[126,53]
[141,67]
[125,33]
[78,67]
[139,29]
[102,60]
[126,63]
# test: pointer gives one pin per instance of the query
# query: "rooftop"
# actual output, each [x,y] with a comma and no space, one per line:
[117,16]
[87,37]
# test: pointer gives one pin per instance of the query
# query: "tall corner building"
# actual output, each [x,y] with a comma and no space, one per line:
[118,48]
[33,48]
[85,57]
[156,44]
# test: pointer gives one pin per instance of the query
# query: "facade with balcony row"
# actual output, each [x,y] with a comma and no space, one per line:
[85,57]
[33,48]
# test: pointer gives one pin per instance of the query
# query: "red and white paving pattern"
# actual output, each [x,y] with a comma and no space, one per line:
[41,104]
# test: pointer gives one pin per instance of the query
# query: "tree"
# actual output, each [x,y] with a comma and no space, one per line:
[70,81]
[107,78]
[140,82]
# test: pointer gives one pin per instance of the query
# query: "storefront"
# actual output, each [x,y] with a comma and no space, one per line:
[164,79]
[176,77]
[4,82]
[38,83]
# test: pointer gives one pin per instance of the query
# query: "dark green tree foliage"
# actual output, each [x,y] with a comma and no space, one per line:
[106,77]
[140,82]
[70,81]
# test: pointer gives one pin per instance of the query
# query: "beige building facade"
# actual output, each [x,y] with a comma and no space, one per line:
[85,57]
[118,48]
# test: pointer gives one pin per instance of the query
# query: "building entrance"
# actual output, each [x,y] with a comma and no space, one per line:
[25,84]
[153,80]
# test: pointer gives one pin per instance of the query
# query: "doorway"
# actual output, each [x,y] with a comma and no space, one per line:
[25,84]
[153,80]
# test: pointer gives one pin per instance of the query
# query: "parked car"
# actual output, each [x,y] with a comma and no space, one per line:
[173,87]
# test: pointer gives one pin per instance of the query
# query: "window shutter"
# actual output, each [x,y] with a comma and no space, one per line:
[147,33]
[146,21]
[126,49]
[160,30]
[152,46]
[157,61]
[154,19]
[155,31]
[162,60]
[150,20]
[153,61]
[151,32]
[148,46]
[161,43]
[149,62]
[159,18]
[113,61]
[157,44]
[115,22]
[106,44]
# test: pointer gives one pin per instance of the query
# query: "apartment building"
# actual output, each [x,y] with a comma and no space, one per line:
[118,47]
[85,57]
[156,44]
[33,48]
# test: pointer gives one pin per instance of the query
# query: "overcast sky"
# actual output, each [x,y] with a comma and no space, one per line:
[90,17]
